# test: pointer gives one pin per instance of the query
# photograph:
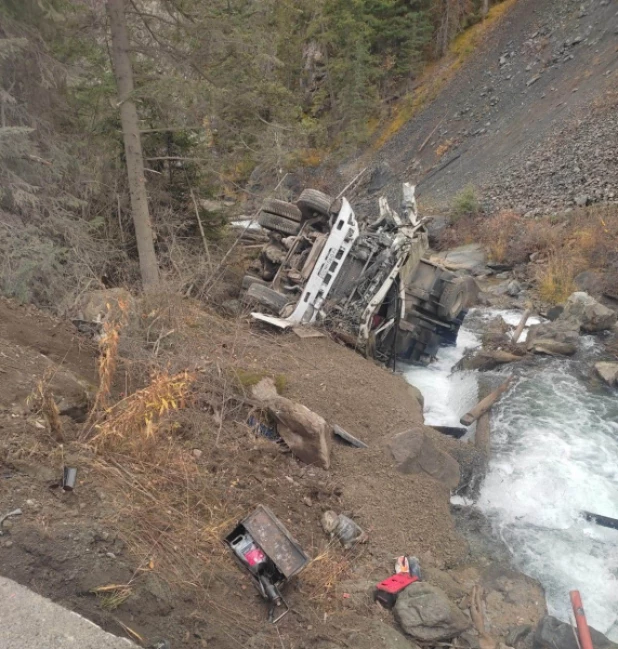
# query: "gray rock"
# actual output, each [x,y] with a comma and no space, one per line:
[551,633]
[608,372]
[555,312]
[435,227]
[591,315]
[581,200]
[414,451]
[426,614]
[518,634]
[514,288]
[485,360]
[468,257]
[590,281]
[559,338]
[306,433]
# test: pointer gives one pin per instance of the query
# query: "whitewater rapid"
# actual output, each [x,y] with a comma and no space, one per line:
[554,453]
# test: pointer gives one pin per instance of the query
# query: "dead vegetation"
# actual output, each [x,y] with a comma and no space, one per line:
[560,245]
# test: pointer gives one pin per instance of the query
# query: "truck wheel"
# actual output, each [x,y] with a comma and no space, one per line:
[266,297]
[247,280]
[278,223]
[281,208]
[312,201]
[454,299]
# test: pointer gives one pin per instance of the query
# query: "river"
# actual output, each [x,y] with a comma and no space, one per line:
[554,453]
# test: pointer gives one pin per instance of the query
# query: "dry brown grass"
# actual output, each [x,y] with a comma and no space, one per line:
[586,239]
[555,279]
[43,401]
[324,572]
[133,424]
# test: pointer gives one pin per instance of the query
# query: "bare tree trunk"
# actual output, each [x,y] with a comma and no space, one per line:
[144,234]
[485,9]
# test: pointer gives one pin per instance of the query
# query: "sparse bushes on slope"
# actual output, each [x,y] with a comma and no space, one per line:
[466,203]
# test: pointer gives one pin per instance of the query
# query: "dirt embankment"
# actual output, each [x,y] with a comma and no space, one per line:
[137,546]
[529,119]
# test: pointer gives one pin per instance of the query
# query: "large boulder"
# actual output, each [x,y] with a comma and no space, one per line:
[551,633]
[307,434]
[484,360]
[414,451]
[470,257]
[592,316]
[559,338]
[426,614]
[608,372]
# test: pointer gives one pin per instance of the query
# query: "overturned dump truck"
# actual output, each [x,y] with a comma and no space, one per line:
[366,282]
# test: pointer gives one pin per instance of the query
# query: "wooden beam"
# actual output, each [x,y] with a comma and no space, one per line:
[485,405]
[521,326]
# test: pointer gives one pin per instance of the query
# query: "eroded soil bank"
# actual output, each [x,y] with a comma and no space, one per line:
[146,523]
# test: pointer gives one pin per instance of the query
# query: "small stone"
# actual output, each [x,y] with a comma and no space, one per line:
[197,453]
[8,544]
[111,555]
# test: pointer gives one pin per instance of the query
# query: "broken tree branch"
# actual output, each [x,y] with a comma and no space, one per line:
[199,222]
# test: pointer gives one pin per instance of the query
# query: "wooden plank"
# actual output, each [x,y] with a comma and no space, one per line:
[485,405]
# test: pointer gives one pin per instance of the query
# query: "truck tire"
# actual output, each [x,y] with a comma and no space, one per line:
[312,202]
[247,280]
[266,296]
[278,223]
[454,299]
[281,208]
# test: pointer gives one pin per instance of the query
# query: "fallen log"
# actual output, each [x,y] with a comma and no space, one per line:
[521,326]
[485,405]
[603,521]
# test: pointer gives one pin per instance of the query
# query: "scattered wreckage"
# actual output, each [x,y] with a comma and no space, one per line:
[366,281]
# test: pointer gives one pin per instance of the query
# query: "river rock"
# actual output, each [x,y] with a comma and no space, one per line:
[426,614]
[496,333]
[592,316]
[514,288]
[608,372]
[551,633]
[485,360]
[558,338]
[416,452]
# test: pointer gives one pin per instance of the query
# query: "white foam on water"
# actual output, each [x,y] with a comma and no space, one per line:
[554,454]
[447,395]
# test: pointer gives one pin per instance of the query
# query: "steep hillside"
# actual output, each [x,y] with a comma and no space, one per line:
[530,119]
